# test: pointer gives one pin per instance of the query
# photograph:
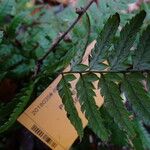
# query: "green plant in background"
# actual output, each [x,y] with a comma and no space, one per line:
[25,38]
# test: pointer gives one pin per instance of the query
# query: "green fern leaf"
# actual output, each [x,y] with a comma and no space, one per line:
[148,82]
[143,135]
[114,77]
[21,70]
[115,107]
[141,59]
[16,21]
[62,63]
[127,37]
[1,36]
[13,61]
[81,46]
[115,131]
[138,96]
[66,95]
[24,97]
[137,143]
[67,58]
[6,7]
[103,43]
[5,53]
[88,106]
[80,67]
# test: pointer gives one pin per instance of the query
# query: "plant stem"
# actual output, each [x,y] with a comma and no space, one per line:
[80,13]
[108,71]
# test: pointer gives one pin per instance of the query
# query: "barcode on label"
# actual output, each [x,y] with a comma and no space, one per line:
[44,136]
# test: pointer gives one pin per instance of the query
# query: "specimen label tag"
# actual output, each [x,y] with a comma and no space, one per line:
[46,117]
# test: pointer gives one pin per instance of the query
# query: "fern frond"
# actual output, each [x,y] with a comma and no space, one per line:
[61,63]
[88,106]
[67,99]
[23,98]
[1,36]
[6,8]
[21,70]
[114,106]
[141,59]
[81,47]
[148,82]
[138,96]
[16,21]
[115,131]
[12,62]
[103,43]
[143,134]
[127,37]
[5,53]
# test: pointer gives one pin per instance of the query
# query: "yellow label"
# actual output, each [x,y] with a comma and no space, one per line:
[46,117]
